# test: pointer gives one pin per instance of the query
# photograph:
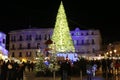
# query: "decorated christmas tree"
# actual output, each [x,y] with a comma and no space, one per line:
[53,66]
[40,65]
[61,35]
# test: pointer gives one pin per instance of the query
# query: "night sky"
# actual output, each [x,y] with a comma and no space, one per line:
[85,14]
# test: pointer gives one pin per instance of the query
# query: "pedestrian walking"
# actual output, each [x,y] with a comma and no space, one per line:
[89,72]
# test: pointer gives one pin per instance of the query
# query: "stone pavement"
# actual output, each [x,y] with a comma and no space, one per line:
[73,78]
[31,76]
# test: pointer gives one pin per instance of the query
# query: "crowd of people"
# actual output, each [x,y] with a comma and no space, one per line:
[11,70]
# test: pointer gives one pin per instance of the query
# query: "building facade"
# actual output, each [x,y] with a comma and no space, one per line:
[86,41]
[3,50]
[26,43]
[113,50]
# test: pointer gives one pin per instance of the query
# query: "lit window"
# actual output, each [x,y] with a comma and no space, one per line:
[28,54]
[77,33]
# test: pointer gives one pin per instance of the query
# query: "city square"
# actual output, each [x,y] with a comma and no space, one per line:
[58,53]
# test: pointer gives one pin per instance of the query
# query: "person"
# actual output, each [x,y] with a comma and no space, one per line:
[20,71]
[65,70]
[94,68]
[11,70]
[89,72]
[1,73]
[4,71]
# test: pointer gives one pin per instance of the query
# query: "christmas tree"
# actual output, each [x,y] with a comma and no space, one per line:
[53,66]
[61,35]
[40,65]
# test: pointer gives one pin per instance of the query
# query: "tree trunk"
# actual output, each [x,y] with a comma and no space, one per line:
[80,74]
[53,75]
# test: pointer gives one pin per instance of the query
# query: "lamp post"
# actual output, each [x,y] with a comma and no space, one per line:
[115,51]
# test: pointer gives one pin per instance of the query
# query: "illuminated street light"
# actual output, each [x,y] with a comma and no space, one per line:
[107,53]
[115,51]
[110,52]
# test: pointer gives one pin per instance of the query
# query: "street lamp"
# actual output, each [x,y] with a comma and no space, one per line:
[115,50]
[110,52]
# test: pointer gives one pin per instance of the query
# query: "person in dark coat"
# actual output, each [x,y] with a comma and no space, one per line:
[89,72]
[1,68]
[11,71]
[65,70]
[20,72]
[4,71]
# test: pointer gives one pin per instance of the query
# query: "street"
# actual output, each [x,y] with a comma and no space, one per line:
[31,76]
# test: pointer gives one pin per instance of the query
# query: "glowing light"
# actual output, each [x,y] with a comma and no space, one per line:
[24,60]
[110,52]
[61,34]
[107,53]
[115,51]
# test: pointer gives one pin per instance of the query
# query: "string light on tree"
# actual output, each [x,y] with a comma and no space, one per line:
[61,34]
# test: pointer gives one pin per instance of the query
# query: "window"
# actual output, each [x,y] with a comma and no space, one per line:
[20,46]
[28,45]
[13,38]
[75,42]
[39,37]
[20,38]
[49,36]
[38,45]
[77,33]
[4,41]
[0,43]
[92,33]
[87,42]
[82,42]
[36,38]
[81,34]
[20,54]
[28,37]
[28,54]
[13,46]
[36,54]
[93,42]
[13,54]
[45,38]
[87,33]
